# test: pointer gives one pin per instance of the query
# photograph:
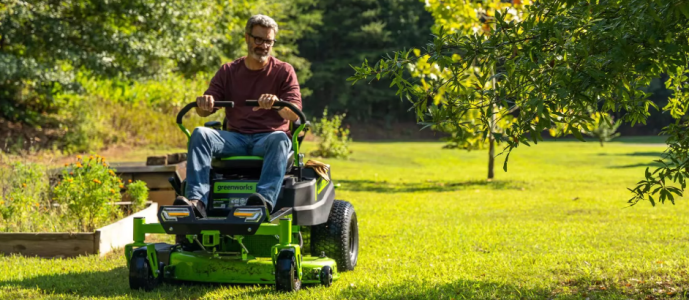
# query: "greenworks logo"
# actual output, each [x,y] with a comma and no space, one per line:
[235,187]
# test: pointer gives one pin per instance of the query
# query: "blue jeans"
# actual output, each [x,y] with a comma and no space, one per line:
[206,143]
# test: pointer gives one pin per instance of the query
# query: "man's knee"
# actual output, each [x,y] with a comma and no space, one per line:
[201,133]
[278,141]
[277,137]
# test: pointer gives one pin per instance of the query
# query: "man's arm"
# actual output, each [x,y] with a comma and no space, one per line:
[288,114]
[215,92]
[290,92]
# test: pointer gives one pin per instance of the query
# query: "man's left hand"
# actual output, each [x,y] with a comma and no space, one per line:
[266,101]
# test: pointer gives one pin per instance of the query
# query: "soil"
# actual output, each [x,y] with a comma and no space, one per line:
[22,137]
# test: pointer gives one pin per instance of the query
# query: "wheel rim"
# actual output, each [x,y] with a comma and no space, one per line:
[353,241]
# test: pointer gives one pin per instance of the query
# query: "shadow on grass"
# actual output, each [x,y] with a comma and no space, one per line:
[114,283]
[411,187]
[111,283]
[474,289]
[639,165]
[647,154]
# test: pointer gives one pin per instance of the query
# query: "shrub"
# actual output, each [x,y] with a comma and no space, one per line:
[112,112]
[602,128]
[23,188]
[333,141]
[137,192]
[89,189]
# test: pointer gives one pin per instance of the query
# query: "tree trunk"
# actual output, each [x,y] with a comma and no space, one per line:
[491,139]
[491,148]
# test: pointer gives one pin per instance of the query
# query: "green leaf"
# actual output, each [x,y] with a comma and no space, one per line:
[504,164]
[576,133]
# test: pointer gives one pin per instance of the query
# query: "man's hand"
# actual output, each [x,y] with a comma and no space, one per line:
[266,101]
[204,105]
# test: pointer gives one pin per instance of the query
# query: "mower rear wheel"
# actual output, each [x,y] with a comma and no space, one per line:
[286,277]
[140,272]
[339,237]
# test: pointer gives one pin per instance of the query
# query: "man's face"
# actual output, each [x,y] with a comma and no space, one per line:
[263,35]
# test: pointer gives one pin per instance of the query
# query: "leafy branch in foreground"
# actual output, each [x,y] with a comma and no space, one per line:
[562,59]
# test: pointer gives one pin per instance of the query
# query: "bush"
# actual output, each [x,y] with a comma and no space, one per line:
[89,189]
[24,188]
[137,192]
[333,141]
[112,112]
[602,128]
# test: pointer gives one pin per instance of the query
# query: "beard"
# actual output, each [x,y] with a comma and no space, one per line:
[259,54]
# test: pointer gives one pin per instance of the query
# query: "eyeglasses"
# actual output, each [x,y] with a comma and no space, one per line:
[260,40]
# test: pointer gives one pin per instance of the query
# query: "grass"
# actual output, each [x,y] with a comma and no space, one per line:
[556,225]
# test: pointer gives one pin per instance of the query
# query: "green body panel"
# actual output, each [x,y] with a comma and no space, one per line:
[242,158]
[202,267]
[322,183]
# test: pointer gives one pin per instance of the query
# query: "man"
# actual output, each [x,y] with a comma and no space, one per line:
[260,131]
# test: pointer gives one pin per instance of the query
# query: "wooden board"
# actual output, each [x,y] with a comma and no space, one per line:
[162,197]
[118,234]
[48,244]
[155,180]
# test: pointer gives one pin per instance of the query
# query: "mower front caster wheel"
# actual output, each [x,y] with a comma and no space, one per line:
[326,276]
[141,273]
[286,277]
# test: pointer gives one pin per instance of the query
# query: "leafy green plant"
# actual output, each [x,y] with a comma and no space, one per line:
[137,192]
[333,141]
[89,189]
[602,128]
[23,188]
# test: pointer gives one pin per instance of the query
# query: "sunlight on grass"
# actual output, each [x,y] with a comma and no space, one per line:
[556,225]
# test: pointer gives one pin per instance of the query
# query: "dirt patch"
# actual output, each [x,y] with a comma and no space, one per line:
[15,137]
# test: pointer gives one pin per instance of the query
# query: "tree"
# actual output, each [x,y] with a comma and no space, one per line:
[563,58]
[354,30]
[44,44]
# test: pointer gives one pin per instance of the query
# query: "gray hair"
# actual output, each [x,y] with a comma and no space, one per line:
[261,20]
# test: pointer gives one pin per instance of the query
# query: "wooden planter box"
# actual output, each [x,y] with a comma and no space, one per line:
[101,242]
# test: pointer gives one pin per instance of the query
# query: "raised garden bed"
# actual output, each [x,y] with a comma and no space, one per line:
[101,242]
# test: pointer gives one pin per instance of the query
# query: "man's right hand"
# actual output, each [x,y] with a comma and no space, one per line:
[204,105]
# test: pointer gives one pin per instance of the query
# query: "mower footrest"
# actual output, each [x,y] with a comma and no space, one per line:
[285,211]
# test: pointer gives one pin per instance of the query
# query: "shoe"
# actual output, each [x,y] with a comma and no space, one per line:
[259,200]
[199,207]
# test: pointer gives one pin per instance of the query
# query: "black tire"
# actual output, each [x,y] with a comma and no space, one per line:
[326,276]
[140,272]
[339,237]
[286,277]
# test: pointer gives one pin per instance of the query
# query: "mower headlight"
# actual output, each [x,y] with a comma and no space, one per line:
[249,214]
[172,213]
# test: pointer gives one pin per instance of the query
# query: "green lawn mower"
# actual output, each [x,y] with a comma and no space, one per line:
[240,244]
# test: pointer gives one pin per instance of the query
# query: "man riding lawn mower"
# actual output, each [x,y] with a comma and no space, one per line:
[249,194]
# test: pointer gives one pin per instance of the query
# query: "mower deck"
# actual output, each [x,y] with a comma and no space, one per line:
[206,267]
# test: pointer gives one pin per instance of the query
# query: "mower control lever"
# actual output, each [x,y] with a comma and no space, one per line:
[189,106]
[282,103]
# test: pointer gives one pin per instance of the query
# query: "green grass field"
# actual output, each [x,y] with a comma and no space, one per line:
[556,225]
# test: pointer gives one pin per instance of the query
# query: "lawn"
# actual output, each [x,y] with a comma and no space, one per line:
[556,225]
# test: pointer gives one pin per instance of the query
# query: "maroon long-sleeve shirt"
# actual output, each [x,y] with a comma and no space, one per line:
[235,82]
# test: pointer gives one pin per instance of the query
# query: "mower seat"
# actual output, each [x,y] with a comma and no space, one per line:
[244,164]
